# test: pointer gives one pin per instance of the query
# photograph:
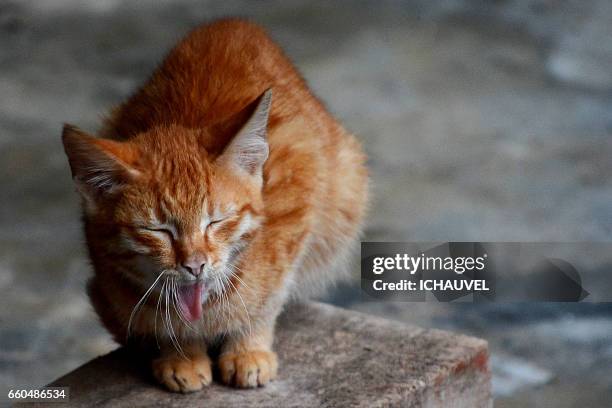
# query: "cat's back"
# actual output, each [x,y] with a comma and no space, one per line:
[210,75]
[230,48]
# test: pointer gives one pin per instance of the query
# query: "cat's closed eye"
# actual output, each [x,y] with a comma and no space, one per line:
[215,222]
[166,231]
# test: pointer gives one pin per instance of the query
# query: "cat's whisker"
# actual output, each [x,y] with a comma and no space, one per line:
[219,292]
[235,260]
[139,304]
[222,295]
[161,292]
[242,282]
[234,268]
[243,305]
[233,265]
[170,327]
[217,309]
[177,309]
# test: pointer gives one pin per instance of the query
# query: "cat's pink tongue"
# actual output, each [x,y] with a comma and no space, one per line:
[190,297]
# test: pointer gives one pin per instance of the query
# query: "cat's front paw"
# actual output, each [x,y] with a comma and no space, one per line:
[249,369]
[181,375]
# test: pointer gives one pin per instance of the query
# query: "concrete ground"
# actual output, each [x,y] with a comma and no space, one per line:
[482,121]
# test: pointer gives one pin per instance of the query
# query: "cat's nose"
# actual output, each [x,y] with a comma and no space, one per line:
[194,266]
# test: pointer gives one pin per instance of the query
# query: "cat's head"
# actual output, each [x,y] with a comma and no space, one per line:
[163,203]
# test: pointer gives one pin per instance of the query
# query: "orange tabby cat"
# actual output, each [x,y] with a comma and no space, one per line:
[217,191]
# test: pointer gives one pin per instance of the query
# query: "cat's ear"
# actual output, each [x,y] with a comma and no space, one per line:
[248,150]
[98,166]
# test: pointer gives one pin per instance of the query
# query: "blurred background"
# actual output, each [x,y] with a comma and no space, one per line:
[483,120]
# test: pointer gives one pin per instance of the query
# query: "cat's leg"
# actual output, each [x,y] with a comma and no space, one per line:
[248,361]
[187,373]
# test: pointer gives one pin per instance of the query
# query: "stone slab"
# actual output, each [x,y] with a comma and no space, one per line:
[328,357]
